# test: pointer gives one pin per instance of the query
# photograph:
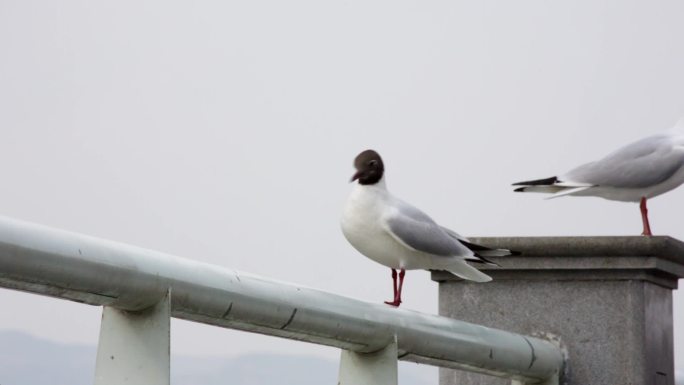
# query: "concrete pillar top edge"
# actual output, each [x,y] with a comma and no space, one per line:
[658,259]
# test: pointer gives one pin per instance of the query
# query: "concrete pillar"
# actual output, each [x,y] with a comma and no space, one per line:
[608,300]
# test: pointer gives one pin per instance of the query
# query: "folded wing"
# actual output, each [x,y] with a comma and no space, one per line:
[415,230]
[644,163]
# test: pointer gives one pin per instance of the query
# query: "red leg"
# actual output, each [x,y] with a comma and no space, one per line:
[397,290]
[401,284]
[394,282]
[394,287]
[644,217]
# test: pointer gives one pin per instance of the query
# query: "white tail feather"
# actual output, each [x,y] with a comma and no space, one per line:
[550,189]
[568,191]
[465,271]
[573,184]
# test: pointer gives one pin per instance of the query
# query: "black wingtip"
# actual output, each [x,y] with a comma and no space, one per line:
[519,189]
[482,260]
[538,182]
[513,252]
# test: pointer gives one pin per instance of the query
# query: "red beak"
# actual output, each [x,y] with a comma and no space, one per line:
[356,176]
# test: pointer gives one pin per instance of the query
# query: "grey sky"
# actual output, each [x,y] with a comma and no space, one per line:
[225,131]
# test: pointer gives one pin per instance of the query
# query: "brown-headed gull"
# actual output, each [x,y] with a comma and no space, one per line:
[401,237]
[634,173]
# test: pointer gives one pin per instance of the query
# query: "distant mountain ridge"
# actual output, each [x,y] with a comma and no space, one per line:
[28,360]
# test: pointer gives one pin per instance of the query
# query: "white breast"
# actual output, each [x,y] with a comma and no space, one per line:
[362,225]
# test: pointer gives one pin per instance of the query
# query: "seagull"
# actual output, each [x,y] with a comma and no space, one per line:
[400,236]
[634,173]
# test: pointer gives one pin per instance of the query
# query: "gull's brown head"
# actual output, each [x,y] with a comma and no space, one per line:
[369,168]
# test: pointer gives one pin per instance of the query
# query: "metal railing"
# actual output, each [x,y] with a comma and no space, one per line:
[140,289]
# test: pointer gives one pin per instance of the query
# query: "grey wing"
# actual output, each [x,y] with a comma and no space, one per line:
[416,230]
[644,163]
[454,234]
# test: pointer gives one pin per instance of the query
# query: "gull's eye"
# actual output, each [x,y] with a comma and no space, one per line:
[373,163]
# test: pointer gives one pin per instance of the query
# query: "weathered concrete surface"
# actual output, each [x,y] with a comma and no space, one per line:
[608,299]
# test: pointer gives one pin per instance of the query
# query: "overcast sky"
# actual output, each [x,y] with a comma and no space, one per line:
[225,131]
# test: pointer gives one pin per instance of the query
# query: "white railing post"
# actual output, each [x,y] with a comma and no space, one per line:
[134,346]
[377,368]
